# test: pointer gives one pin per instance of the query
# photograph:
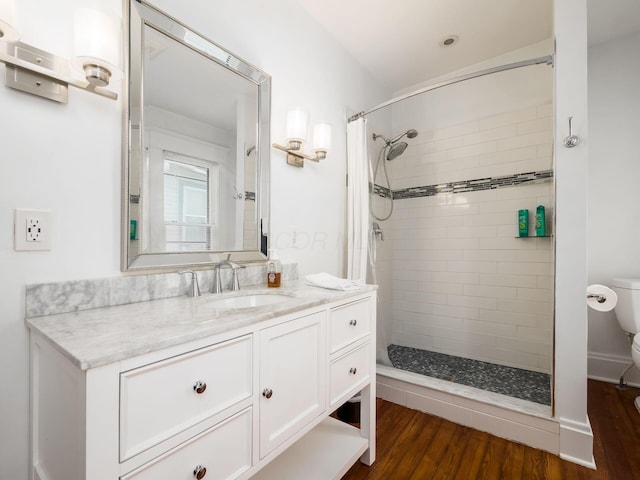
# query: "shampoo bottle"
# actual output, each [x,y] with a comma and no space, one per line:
[523,223]
[274,270]
[541,223]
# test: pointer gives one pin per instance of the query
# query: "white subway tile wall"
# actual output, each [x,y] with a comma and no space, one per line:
[462,282]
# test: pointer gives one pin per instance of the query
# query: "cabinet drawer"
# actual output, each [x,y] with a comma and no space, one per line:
[224,450]
[349,323]
[348,371]
[167,397]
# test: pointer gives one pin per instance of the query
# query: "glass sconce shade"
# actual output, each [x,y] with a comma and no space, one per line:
[297,122]
[8,32]
[96,45]
[322,137]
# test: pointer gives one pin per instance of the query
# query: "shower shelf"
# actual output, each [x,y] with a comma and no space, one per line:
[535,236]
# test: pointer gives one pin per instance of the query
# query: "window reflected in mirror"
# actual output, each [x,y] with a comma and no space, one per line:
[189,203]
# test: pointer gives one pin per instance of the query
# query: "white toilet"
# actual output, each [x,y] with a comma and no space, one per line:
[628,314]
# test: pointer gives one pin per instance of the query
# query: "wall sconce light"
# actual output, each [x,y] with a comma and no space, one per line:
[29,69]
[297,123]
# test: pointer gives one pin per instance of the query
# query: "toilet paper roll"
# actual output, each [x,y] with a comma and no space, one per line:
[606,305]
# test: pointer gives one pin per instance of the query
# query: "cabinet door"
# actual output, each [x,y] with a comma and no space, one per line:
[292,378]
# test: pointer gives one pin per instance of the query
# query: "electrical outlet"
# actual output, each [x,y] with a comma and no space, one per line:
[32,230]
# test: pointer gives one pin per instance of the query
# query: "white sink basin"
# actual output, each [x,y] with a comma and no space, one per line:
[249,301]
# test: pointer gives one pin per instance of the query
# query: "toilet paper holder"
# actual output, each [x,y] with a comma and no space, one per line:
[599,298]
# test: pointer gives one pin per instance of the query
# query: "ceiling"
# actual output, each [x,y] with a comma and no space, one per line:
[399,41]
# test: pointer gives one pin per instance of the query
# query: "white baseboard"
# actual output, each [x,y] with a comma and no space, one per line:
[608,368]
[576,443]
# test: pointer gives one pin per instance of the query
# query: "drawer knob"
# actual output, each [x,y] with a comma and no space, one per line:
[199,472]
[267,392]
[353,370]
[353,322]
[199,388]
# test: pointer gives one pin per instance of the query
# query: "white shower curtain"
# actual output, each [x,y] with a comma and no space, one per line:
[359,235]
[357,200]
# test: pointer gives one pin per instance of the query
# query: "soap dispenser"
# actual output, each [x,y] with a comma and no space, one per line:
[274,270]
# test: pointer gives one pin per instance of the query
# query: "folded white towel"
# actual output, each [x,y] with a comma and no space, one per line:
[326,280]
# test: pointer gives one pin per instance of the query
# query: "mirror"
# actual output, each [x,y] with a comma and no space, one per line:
[196,149]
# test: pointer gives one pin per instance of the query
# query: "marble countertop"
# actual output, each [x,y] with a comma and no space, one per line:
[91,338]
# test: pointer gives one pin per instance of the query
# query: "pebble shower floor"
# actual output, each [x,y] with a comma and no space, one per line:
[514,382]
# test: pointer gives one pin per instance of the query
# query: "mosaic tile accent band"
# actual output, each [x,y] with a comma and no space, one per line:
[514,382]
[463,186]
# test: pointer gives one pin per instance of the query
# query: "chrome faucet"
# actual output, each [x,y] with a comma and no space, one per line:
[194,290]
[217,279]
[216,286]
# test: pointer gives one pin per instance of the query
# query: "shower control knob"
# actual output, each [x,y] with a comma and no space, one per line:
[353,322]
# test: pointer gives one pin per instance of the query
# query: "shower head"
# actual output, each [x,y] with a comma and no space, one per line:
[409,133]
[396,150]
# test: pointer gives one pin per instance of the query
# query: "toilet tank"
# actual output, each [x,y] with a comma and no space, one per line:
[628,306]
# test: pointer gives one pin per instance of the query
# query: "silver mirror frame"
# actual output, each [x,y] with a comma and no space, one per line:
[138,13]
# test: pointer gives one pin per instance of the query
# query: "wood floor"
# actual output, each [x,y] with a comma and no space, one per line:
[414,445]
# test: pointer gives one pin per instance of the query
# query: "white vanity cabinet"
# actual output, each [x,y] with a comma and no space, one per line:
[246,402]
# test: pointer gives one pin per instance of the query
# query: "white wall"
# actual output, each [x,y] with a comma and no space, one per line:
[614,197]
[66,158]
